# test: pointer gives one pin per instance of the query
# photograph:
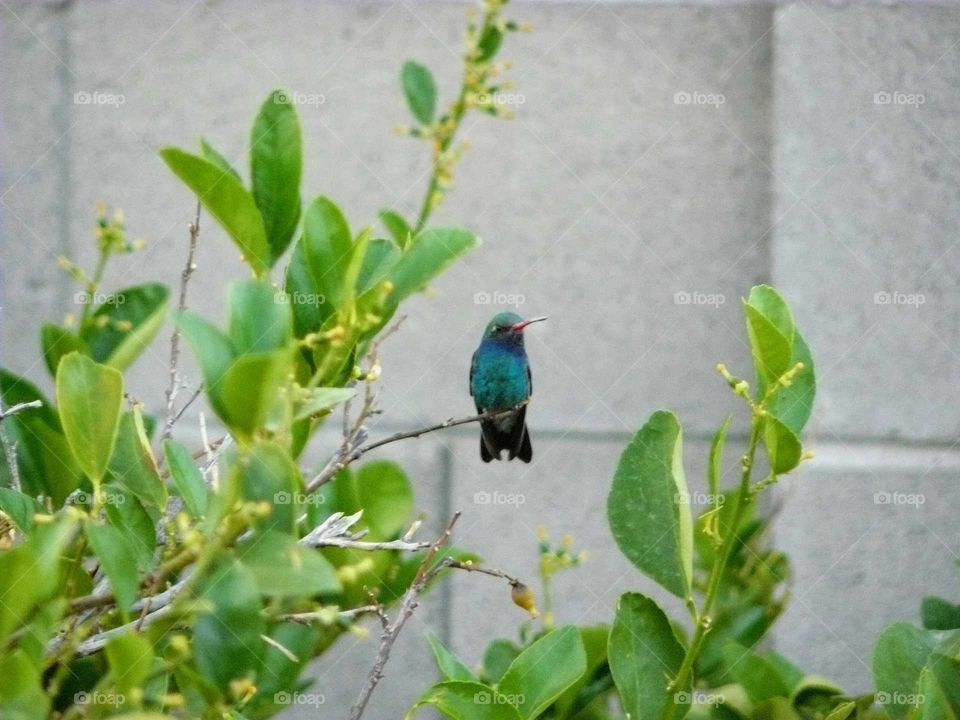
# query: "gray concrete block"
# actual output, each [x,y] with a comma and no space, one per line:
[866,213]
[867,542]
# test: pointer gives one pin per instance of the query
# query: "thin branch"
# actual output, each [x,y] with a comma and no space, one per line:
[306,618]
[10,448]
[342,459]
[175,382]
[409,603]
[335,532]
[19,407]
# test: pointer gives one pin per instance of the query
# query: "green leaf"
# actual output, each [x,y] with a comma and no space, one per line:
[489,43]
[21,693]
[17,598]
[250,388]
[89,397]
[186,477]
[382,490]
[56,342]
[268,474]
[45,463]
[541,673]
[132,463]
[933,699]
[783,446]
[465,700]
[227,641]
[397,226]
[259,320]
[644,654]
[936,613]
[772,306]
[771,350]
[450,667]
[211,154]
[647,507]
[794,404]
[715,466]
[900,655]
[281,567]
[595,639]
[420,91]
[126,513]
[130,657]
[842,711]
[214,352]
[428,254]
[20,508]
[276,155]
[380,258]
[327,248]
[310,307]
[497,658]
[322,400]
[124,326]
[227,200]
[278,672]
[758,676]
[118,559]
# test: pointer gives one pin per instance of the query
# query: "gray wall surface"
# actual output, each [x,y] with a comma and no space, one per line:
[831,169]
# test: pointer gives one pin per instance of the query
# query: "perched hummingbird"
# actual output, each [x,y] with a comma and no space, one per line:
[499,380]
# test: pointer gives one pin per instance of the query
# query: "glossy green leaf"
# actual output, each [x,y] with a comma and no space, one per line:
[17,596]
[259,320]
[55,342]
[249,389]
[382,490]
[420,90]
[541,673]
[276,156]
[398,227]
[21,693]
[322,400]
[935,703]
[227,641]
[758,676]
[644,654]
[212,155]
[595,639]
[214,352]
[89,397]
[281,567]
[497,658]
[309,306]
[327,249]
[429,253]
[124,326]
[647,508]
[187,477]
[447,663]
[900,655]
[771,350]
[379,260]
[126,513]
[130,657]
[783,446]
[489,43]
[715,465]
[132,463]
[465,700]
[118,559]
[227,200]
[939,614]
[278,672]
[20,507]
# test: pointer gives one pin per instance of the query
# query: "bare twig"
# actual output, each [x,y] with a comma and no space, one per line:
[19,407]
[175,382]
[10,448]
[335,532]
[306,618]
[390,632]
[345,456]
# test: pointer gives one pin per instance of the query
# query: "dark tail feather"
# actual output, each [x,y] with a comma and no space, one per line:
[514,439]
[485,453]
[526,449]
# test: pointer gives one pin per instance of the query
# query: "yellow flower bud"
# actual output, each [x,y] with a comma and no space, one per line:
[523,596]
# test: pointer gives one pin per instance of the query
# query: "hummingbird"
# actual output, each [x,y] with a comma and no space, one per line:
[500,379]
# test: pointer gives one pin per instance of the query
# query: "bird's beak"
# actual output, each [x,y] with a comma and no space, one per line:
[517,327]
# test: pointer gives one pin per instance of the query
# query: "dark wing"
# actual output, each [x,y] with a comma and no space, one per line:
[529,381]
[473,368]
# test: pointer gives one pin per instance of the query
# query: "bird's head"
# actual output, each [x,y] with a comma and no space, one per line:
[507,327]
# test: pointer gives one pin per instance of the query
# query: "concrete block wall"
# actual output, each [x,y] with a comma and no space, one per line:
[606,204]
